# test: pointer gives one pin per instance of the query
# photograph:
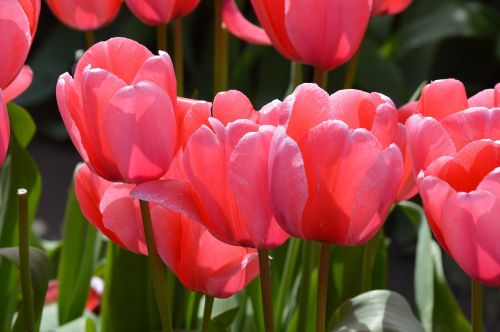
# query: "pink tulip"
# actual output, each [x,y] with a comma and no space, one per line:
[335,171]
[18,24]
[181,242]
[389,7]
[93,301]
[119,110]
[323,33]
[85,15]
[440,126]
[226,163]
[4,129]
[158,12]
[461,197]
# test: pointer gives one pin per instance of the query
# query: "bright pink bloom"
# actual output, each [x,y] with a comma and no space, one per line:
[18,24]
[335,172]
[4,130]
[157,12]
[93,301]
[85,15]
[461,197]
[182,243]
[120,110]
[323,33]
[440,127]
[389,7]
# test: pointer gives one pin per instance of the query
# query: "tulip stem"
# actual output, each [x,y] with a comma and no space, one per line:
[352,68]
[161,37]
[320,77]
[477,307]
[89,38]
[220,50]
[324,267]
[24,258]
[295,76]
[265,286]
[179,55]
[369,253]
[157,268]
[207,313]
[304,285]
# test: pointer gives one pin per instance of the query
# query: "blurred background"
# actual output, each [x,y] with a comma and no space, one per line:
[432,39]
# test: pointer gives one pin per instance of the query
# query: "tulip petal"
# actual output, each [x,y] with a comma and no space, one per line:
[15,39]
[141,130]
[20,84]
[111,55]
[327,34]
[32,10]
[121,215]
[442,98]
[194,114]
[4,130]
[287,182]
[232,105]
[427,141]
[152,12]
[248,178]
[239,26]
[389,7]
[276,113]
[485,98]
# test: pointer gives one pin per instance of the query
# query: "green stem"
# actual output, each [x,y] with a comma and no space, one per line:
[304,286]
[295,76]
[352,68]
[207,313]
[220,50]
[265,286]
[320,77]
[161,37]
[179,56]
[477,307]
[89,38]
[157,268]
[324,268]
[24,257]
[369,253]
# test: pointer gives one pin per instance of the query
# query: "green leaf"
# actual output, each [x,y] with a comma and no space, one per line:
[40,275]
[77,260]
[378,310]
[19,171]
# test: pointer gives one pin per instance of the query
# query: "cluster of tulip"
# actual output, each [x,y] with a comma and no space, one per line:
[209,188]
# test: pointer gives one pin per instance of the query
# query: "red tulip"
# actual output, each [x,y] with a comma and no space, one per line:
[157,12]
[85,15]
[335,172]
[323,33]
[119,110]
[389,7]
[4,130]
[439,127]
[94,298]
[18,24]
[461,197]
[181,242]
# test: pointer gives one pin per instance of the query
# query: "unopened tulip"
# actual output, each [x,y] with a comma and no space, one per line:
[119,110]
[18,24]
[226,163]
[85,15]
[181,242]
[389,7]
[461,198]
[4,130]
[335,171]
[158,12]
[323,33]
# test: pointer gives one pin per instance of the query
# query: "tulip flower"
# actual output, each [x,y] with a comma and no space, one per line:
[18,24]
[324,34]
[93,301]
[119,110]
[85,15]
[182,243]
[389,7]
[4,130]
[157,12]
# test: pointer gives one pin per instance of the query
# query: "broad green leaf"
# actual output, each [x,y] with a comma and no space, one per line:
[18,171]
[378,310]
[76,260]
[40,275]
[128,302]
